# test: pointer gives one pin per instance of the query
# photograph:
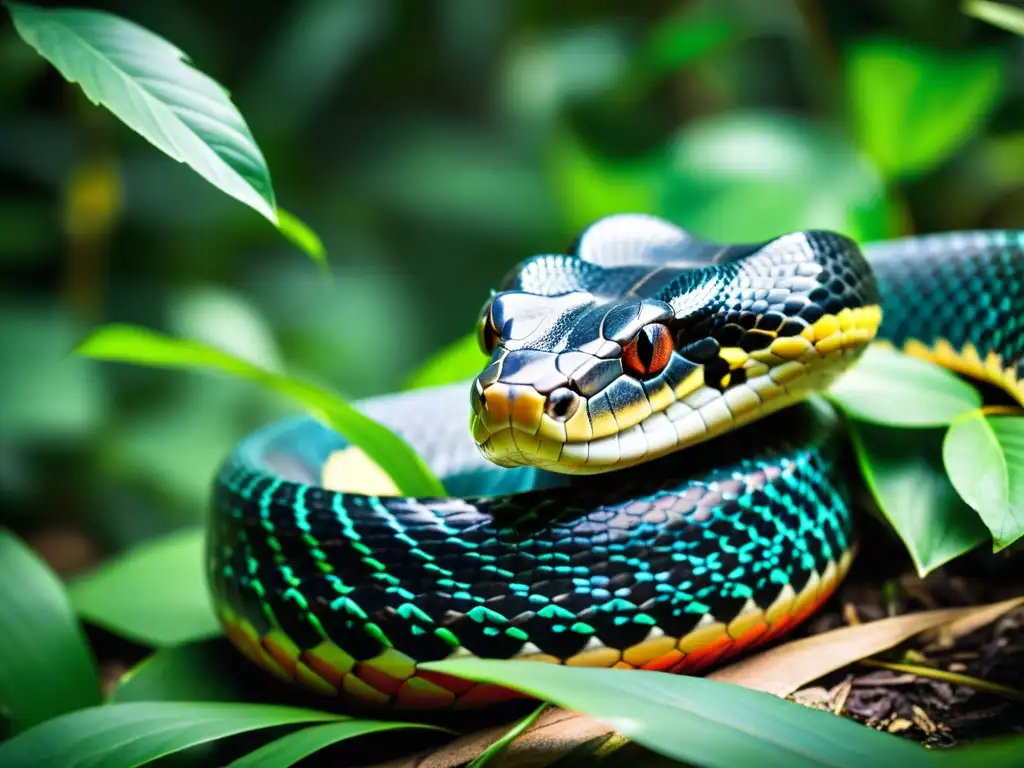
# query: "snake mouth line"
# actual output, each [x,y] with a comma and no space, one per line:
[775,378]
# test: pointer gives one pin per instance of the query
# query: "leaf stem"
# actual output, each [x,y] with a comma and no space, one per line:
[511,735]
[942,675]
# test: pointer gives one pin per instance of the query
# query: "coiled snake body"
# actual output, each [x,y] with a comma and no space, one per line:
[626,352]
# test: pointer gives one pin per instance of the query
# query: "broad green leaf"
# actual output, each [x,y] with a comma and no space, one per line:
[46,667]
[131,344]
[128,735]
[209,670]
[300,234]
[912,107]
[155,594]
[749,176]
[903,469]
[589,187]
[984,456]
[685,38]
[150,86]
[889,388]
[697,721]
[998,14]
[292,748]
[460,360]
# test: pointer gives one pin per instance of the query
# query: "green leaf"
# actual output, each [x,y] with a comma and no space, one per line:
[300,234]
[210,670]
[460,360]
[903,469]
[589,187]
[46,667]
[698,721]
[128,735]
[292,748]
[155,594]
[131,344]
[685,38]
[150,86]
[912,107]
[889,388]
[998,14]
[783,172]
[984,456]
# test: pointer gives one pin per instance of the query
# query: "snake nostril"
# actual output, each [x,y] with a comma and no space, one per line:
[562,404]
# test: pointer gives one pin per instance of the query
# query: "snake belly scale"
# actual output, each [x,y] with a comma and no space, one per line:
[643,481]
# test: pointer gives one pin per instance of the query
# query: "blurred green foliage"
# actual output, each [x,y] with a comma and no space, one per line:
[430,146]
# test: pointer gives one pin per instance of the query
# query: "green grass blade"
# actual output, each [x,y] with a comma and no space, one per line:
[141,346]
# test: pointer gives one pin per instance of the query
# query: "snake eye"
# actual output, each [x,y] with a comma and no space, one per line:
[649,351]
[486,333]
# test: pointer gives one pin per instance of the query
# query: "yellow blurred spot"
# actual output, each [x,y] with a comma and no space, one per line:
[350,470]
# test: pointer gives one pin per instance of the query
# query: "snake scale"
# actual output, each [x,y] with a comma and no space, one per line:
[622,354]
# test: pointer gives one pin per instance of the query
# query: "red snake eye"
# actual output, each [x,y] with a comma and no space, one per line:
[487,335]
[649,352]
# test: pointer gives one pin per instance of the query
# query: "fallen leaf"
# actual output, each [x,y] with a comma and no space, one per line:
[786,668]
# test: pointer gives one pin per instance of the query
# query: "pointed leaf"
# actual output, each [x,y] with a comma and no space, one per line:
[128,735]
[46,667]
[787,668]
[131,344]
[889,388]
[697,721]
[155,594]
[149,84]
[302,236]
[984,456]
[903,469]
[292,748]
[913,107]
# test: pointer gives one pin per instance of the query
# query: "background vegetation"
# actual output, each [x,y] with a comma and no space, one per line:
[432,145]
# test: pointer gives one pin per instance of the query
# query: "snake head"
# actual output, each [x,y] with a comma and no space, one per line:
[596,367]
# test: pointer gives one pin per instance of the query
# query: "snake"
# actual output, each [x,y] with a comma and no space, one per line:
[643,474]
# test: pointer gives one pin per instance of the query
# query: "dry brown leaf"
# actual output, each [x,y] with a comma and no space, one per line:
[982,617]
[785,669]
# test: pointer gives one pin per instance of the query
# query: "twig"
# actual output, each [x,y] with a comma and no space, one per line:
[955,678]
[511,735]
